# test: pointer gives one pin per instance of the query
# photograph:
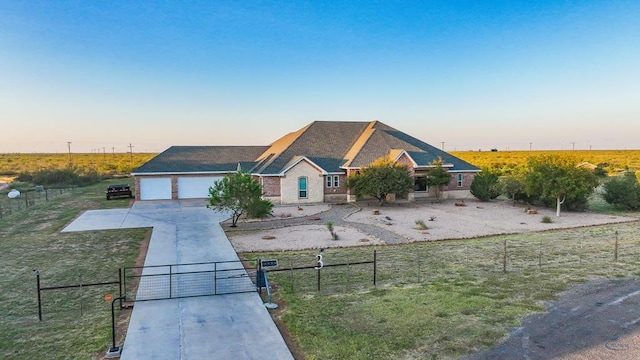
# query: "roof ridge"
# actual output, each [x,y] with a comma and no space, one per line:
[360,143]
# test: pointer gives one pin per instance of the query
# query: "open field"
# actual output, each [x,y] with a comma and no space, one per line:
[122,163]
[614,161]
[76,322]
[117,163]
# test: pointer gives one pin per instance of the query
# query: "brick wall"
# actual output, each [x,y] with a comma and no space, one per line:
[270,186]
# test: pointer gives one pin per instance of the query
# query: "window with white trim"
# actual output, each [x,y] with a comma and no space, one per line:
[333,181]
[460,178]
[302,187]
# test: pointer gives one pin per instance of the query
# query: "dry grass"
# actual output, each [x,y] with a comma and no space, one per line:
[77,322]
[441,299]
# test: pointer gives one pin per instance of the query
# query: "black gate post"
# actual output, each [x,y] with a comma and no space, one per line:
[375,266]
[39,298]
[120,286]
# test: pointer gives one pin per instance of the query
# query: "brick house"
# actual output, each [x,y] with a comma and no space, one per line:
[310,165]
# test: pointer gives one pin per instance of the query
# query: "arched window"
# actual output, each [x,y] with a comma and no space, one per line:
[302,187]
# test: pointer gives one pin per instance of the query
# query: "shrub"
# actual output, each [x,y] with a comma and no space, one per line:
[485,186]
[259,209]
[330,226]
[547,219]
[61,177]
[420,225]
[623,191]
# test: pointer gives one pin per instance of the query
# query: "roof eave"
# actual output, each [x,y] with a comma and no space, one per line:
[182,173]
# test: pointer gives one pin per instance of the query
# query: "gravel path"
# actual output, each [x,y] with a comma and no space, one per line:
[336,214]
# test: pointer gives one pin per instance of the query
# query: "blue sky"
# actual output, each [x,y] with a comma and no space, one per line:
[472,74]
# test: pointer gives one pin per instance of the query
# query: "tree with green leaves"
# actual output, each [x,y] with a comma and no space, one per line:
[512,187]
[438,176]
[381,178]
[485,185]
[557,178]
[237,193]
[623,191]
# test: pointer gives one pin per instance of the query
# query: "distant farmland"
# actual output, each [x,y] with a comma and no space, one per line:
[613,161]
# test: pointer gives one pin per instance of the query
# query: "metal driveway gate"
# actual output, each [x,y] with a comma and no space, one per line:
[142,283]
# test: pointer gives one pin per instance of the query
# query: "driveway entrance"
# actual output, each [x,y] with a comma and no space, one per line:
[232,326]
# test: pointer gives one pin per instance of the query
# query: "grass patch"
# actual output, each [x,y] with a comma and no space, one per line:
[77,323]
[441,299]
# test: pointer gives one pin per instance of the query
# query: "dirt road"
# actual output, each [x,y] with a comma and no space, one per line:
[595,320]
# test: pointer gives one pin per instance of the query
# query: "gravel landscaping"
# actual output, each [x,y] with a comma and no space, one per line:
[304,227]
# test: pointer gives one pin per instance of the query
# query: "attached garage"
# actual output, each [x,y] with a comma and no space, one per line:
[156,188]
[195,187]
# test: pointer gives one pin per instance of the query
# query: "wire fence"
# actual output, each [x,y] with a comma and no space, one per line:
[609,252]
[28,198]
[592,251]
[335,274]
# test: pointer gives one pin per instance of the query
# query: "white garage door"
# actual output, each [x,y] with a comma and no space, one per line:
[155,189]
[195,187]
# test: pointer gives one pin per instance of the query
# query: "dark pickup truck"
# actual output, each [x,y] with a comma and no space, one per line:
[119,191]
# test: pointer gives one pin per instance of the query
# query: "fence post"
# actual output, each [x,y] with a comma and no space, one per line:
[348,274]
[215,278]
[170,282]
[615,256]
[120,285]
[39,298]
[291,273]
[375,266]
[81,297]
[504,258]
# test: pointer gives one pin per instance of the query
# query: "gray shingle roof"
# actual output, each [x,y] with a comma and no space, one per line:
[332,145]
[327,140]
[190,159]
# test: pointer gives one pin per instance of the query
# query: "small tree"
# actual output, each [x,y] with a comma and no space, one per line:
[555,177]
[513,188]
[623,191]
[485,186]
[438,176]
[238,192]
[381,178]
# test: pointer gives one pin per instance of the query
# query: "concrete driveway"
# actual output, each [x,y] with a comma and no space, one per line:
[233,326]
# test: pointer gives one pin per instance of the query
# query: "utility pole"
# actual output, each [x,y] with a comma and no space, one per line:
[442,142]
[113,150]
[131,152]
[573,146]
[530,146]
[69,147]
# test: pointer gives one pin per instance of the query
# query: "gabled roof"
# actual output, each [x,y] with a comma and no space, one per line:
[199,159]
[324,141]
[331,145]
